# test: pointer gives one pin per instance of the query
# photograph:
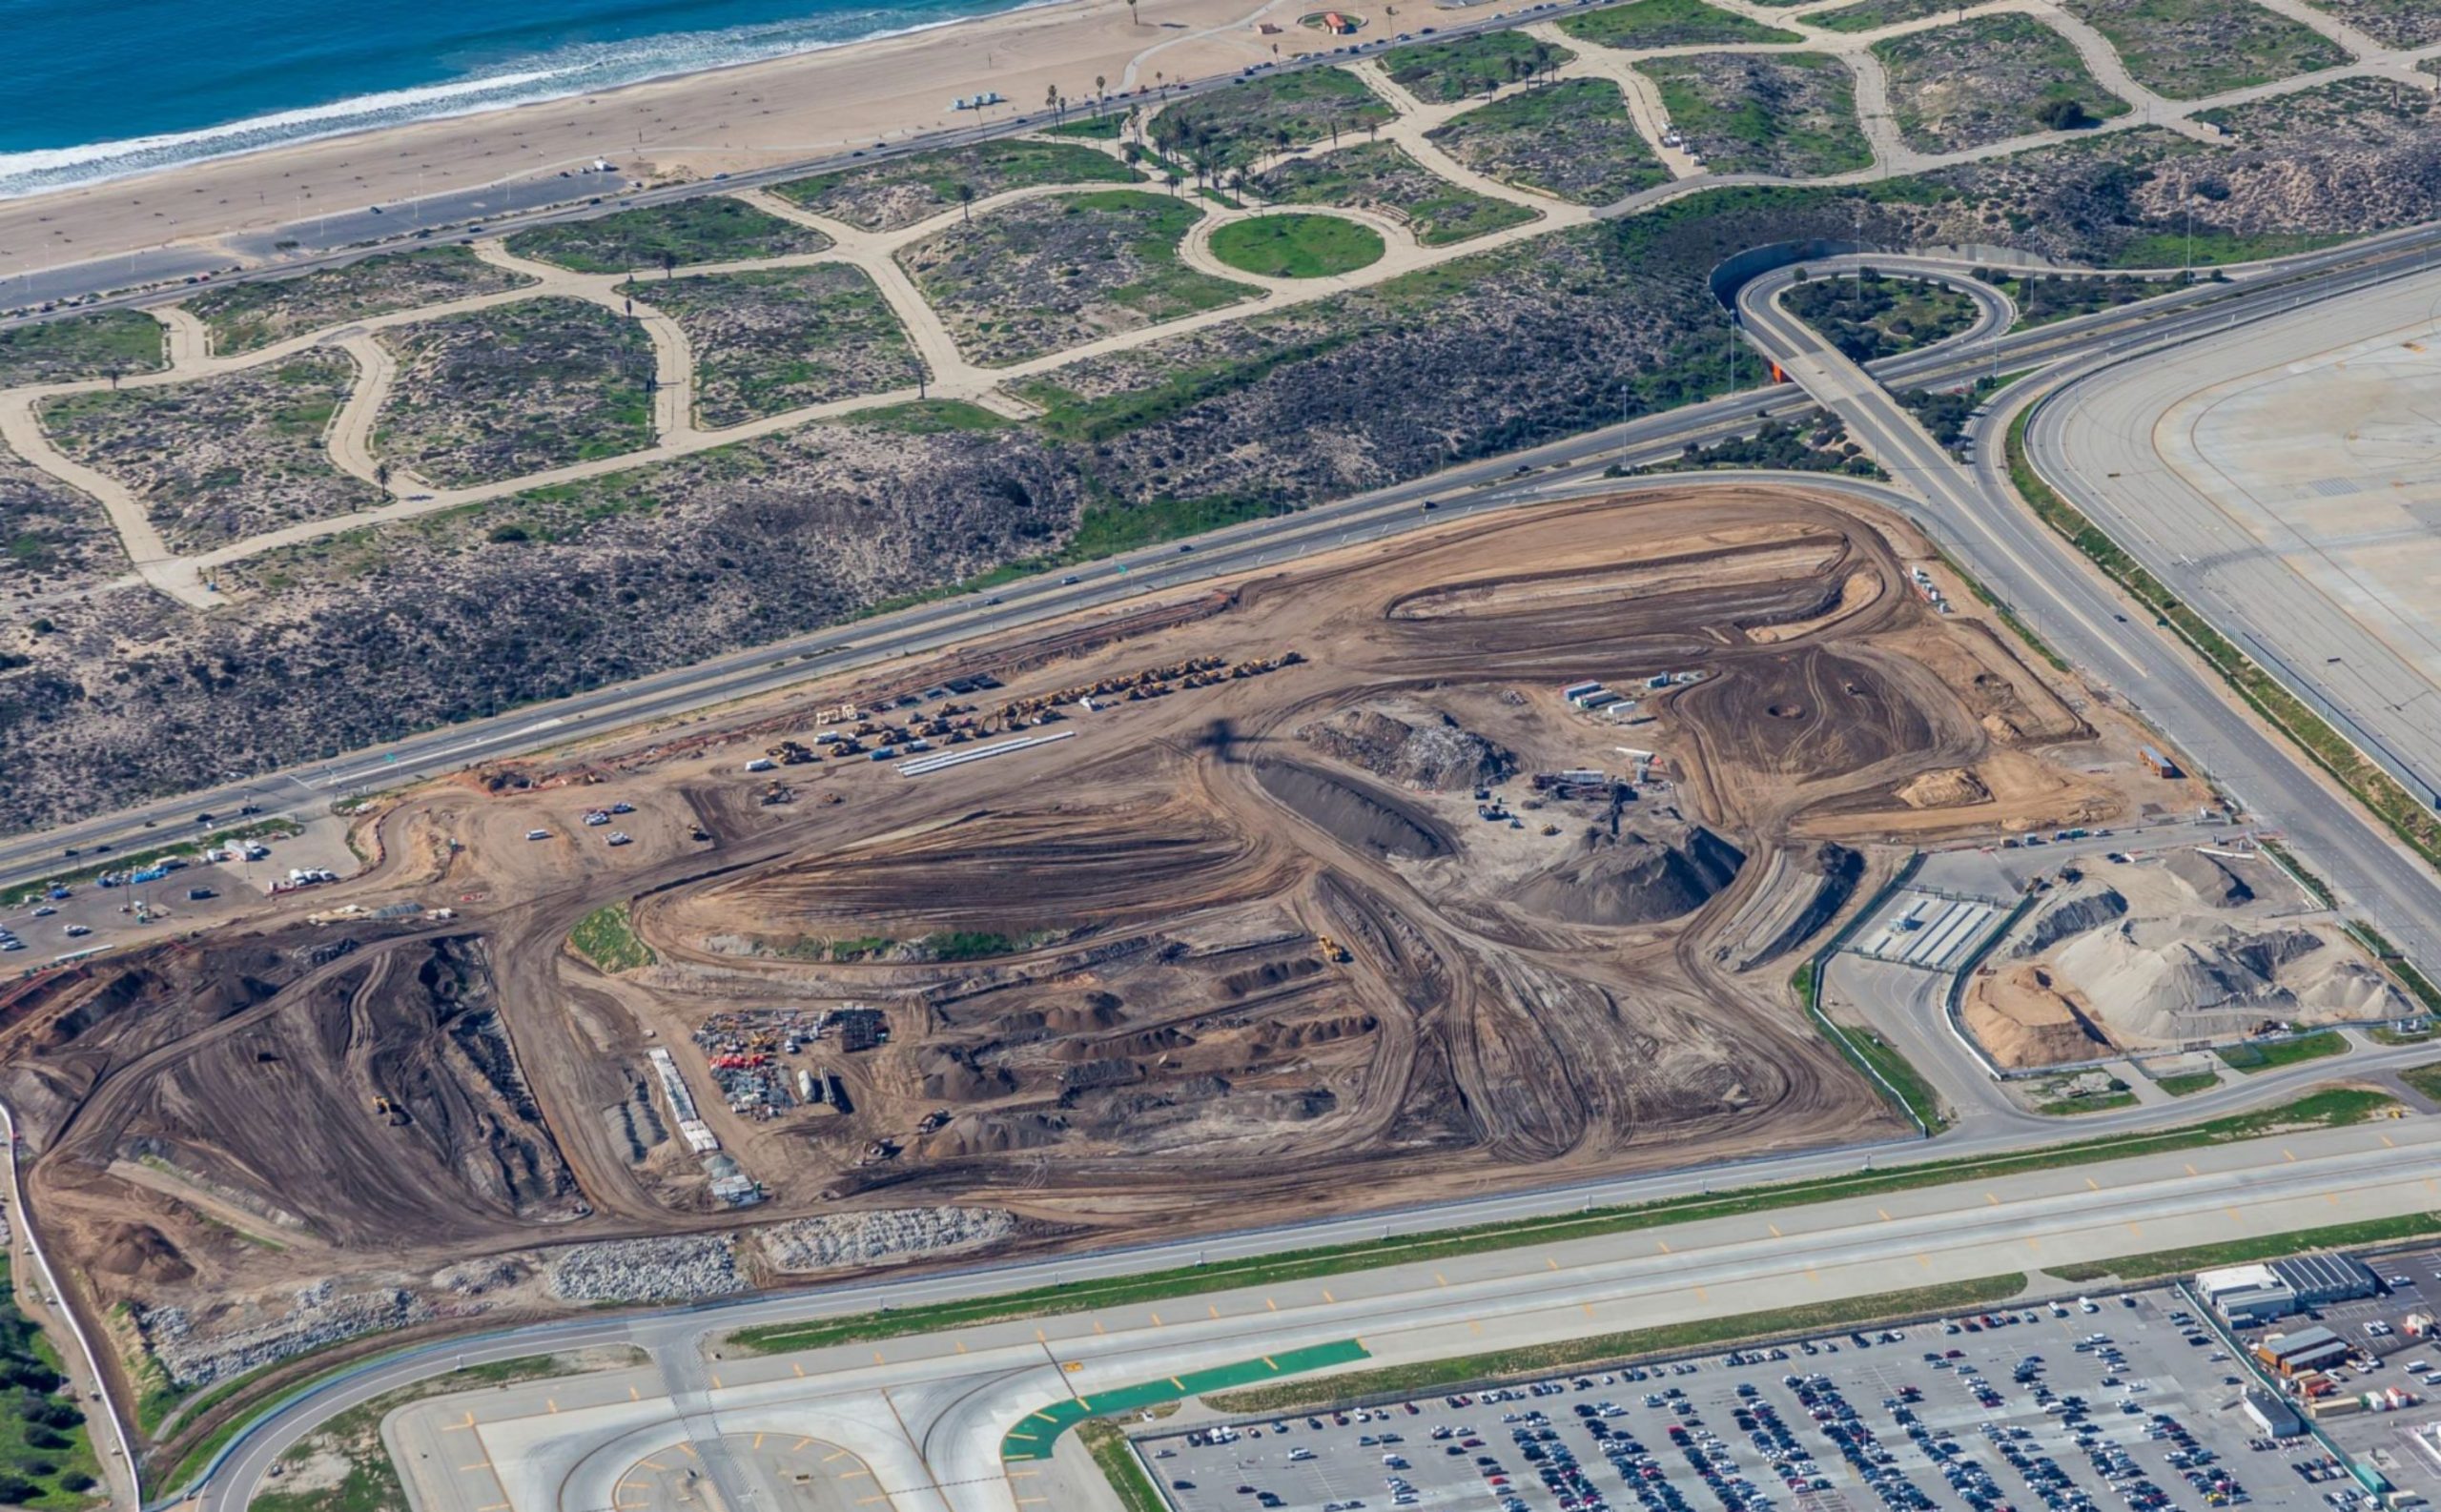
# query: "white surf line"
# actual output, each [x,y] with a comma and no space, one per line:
[927,765]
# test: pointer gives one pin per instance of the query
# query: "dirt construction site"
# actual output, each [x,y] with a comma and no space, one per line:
[1478,857]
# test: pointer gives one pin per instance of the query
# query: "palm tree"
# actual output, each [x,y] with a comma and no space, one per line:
[965,194]
[1174,182]
[1100,86]
[668,264]
[381,475]
[1131,13]
[1051,102]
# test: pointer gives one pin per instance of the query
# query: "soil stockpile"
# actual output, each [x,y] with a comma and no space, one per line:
[1353,813]
[1630,879]
[1437,753]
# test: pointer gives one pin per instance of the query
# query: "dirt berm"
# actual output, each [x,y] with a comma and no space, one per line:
[1354,813]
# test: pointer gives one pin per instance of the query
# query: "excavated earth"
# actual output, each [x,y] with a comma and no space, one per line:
[1240,949]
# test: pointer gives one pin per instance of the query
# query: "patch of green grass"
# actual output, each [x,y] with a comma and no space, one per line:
[1785,112]
[1573,139]
[1668,24]
[1606,1349]
[1872,15]
[82,346]
[608,938]
[1108,127]
[1445,72]
[1987,79]
[261,312]
[1892,1073]
[929,418]
[2287,860]
[1297,246]
[1068,418]
[2100,1102]
[2212,246]
[2187,1084]
[883,197]
[1239,126]
[1129,1485]
[1381,176]
[2272,1054]
[2425,1079]
[709,228]
[2377,789]
[2329,1109]
[47,1456]
[2259,1247]
[2189,49]
[2422,1034]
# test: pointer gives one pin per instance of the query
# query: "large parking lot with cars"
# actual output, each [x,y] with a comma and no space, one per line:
[2069,1405]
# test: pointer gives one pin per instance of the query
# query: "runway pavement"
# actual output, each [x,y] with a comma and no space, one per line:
[925,1415]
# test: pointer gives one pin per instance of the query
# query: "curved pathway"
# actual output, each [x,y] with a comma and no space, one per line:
[952,374]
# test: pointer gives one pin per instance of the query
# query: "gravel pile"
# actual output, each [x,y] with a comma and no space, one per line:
[320,1316]
[647,1270]
[475,1278]
[881,1237]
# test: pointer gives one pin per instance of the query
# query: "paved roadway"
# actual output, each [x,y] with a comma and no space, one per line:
[2364,661]
[1522,477]
[1970,508]
[927,1412]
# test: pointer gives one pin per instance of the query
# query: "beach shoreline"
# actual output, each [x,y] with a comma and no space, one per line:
[730,118]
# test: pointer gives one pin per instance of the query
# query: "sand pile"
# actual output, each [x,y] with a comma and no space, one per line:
[2212,883]
[2163,981]
[1951,788]
[2023,1017]
[1435,751]
[1356,815]
[1633,879]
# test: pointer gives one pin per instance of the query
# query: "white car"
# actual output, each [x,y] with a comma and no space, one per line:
[45,911]
[538,834]
[78,931]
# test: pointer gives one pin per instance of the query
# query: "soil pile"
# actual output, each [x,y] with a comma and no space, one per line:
[1833,871]
[2213,885]
[1361,817]
[2071,915]
[2166,981]
[2025,1018]
[1633,879]
[1440,754]
[1951,788]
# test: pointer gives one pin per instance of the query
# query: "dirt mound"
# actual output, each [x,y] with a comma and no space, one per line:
[2023,1017]
[2071,915]
[1297,1034]
[141,1252]
[1143,1042]
[991,1133]
[2214,885]
[1951,788]
[1091,1011]
[952,1073]
[1440,754]
[1835,870]
[2166,981]
[1359,816]
[1629,879]
[1268,975]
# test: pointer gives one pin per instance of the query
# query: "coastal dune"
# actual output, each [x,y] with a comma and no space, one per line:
[725,120]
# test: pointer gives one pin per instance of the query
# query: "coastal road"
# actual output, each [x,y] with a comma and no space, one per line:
[951,1395]
[1522,477]
[1971,509]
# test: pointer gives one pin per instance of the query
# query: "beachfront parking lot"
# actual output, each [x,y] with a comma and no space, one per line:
[2053,1407]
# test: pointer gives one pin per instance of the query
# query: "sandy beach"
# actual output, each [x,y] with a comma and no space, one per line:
[725,120]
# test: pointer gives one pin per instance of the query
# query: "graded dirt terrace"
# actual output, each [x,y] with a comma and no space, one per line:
[1240,942]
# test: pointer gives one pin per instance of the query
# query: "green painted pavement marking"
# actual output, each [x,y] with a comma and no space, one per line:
[1063,1415]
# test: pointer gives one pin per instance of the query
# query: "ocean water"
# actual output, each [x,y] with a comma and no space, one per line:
[114,87]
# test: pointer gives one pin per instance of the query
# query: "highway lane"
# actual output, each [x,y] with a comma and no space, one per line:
[1522,478]
[1437,1308]
[1972,509]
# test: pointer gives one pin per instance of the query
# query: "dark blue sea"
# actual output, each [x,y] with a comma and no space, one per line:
[94,91]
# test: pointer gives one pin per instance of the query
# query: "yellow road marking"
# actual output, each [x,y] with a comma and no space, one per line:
[550,1405]
[635,1485]
[2033,1243]
[799,1369]
[454,1426]
[2190,1169]
[1268,1302]
[1215,1308]
[1439,1279]
[633,1395]
[688,1449]
[1328,1297]
[1038,1337]
[851,1475]
[1589,1309]
[716,1380]
[2235,1216]
[2288,1155]
[2091,1185]
[1097,1326]
[1268,1364]
[2389,1143]
[799,1444]
[1776,1231]
[1665,1245]
[1474,1326]
[1702,1296]
[1992,1199]
[758,1442]
[652,1465]
[1885,1214]
[2136,1229]
[480,1464]
[1923,1259]
[1157,1320]
[2331,1197]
